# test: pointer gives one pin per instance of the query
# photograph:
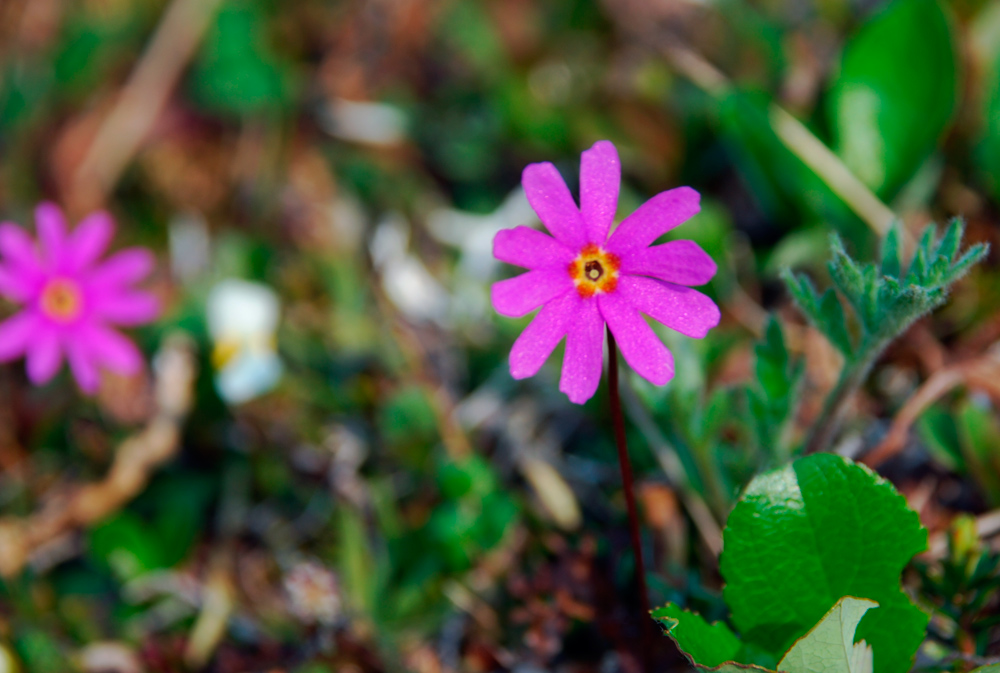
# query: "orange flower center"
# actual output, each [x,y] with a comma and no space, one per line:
[61,300]
[594,271]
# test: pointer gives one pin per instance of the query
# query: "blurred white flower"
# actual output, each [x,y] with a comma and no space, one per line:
[109,657]
[473,234]
[405,279]
[364,122]
[313,593]
[190,246]
[242,320]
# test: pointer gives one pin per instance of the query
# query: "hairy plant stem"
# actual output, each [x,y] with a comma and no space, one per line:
[852,376]
[618,420]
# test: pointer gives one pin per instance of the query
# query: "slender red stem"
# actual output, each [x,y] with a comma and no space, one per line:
[618,420]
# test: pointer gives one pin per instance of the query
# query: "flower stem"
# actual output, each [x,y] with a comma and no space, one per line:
[852,377]
[618,420]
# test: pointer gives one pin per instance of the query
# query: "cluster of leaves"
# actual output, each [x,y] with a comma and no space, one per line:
[966,440]
[773,394]
[884,300]
[810,535]
[799,540]
[964,590]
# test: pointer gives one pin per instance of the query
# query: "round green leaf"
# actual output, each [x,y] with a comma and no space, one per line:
[806,535]
[895,93]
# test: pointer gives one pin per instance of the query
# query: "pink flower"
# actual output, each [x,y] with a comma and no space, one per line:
[583,278]
[69,298]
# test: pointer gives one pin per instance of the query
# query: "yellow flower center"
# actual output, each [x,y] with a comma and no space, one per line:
[594,271]
[61,300]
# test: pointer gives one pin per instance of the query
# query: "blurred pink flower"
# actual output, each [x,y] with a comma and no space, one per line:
[69,297]
[583,278]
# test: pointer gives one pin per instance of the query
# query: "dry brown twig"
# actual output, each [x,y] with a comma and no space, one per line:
[135,461]
[982,372]
[141,100]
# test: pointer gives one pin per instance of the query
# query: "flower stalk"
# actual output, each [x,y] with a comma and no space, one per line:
[618,421]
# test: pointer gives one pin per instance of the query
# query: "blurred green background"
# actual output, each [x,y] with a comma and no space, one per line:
[360,485]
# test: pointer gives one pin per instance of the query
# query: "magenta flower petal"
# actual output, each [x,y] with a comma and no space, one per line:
[536,343]
[113,350]
[641,348]
[83,366]
[654,218]
[519,296]
[600,175]
[16,333]
[90,240]
[18,248]
[127,308]
[681,262]
[17,285]
[44,355]
[530,248]
[550,199]
[584,358]
[680,308]
[124,268]
[51,227]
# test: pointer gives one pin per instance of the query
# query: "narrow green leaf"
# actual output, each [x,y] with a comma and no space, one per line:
[355,561]
[833,324]
[979,432]
[846,273]
[772,361]
[803,292]
[948,247]
[890,253]
[970,258]
[868,303]
[918,267]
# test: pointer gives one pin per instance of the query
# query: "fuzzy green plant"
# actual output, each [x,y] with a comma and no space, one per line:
[884,300]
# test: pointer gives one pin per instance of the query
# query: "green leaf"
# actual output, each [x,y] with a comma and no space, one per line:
[830,646]
[972,256]
[810,533]
[895,93]
[356,561]
[783,186]
[703,643]
[937,429]
[803,292]
[948,247]
[833,323]
[772,362]
[884,308]
[237,73]
[987,151]
[979,433]
[890,253]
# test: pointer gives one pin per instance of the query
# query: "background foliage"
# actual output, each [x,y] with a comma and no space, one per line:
[393,500]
